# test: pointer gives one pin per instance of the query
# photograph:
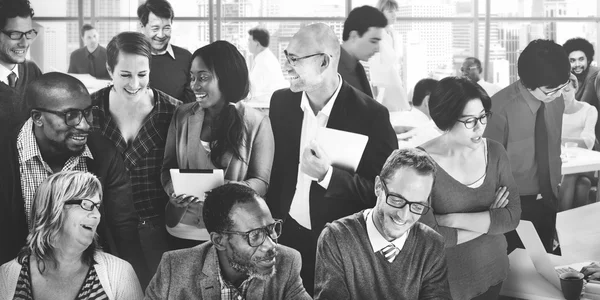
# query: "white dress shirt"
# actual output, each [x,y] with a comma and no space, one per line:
[489,88]
[4,72]
[168,50]
[378,242]
[300,207]
[265,78]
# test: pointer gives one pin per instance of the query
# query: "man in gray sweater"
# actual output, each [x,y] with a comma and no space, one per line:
[383,253]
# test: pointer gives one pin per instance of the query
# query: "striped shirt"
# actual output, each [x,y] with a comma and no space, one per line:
[34,170]
[143,157]
[91,289]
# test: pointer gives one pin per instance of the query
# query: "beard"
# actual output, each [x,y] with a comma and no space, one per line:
[246,266]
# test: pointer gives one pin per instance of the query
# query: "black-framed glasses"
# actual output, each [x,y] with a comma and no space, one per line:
[86,204]
[556,90]
[397,201]
[293,60]
[17,35]
[257,237]
[73,116]
[472,121]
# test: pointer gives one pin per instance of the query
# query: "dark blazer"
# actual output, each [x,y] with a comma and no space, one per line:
[79,62]
[192,274]
[118,225]
[348,192]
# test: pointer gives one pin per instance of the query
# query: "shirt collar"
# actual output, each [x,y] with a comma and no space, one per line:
[326,110]
[92,53]
[226,285]
[28,146]
[533,102]
[378,242]
[169,50]
[4,72]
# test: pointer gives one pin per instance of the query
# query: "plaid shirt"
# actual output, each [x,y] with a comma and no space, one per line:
[34,169]
[144,156]
[229,291]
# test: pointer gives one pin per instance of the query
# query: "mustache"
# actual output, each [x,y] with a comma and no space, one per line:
[269,255]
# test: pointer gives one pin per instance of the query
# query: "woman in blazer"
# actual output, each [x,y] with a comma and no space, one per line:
[218,131]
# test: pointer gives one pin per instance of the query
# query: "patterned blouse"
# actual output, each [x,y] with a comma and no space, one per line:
[91,289]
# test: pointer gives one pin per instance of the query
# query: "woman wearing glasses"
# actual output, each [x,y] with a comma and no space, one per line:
[218,131]
[474,198]
[579,121]
[135,118]
[61,259]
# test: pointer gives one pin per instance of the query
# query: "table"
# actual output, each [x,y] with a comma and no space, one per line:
[525,282]
[581,160]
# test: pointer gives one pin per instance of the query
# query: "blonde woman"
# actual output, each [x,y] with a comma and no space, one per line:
[61,259]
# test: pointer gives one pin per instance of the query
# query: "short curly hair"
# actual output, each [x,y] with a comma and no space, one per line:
[14,8]
[219,202]
[580,44]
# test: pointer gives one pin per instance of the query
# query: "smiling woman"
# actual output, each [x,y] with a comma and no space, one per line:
[61,259]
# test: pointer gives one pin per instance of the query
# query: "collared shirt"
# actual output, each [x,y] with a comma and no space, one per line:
[300,207]
[34,170]
[490,88]
[144,155]
[378,242]
[513,125]
[228,290]
[4,72]
[169,50]
[265,78]
[83,61]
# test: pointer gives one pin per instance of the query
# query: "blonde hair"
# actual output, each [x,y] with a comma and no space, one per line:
[47,214]
[387,4]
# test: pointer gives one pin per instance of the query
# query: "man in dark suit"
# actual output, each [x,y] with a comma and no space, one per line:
[239,261]
[91,59]
[305,189]
[56,138]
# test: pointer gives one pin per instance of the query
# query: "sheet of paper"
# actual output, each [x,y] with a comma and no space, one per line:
[578,232]
[537,253]
[344,148]
[196,182]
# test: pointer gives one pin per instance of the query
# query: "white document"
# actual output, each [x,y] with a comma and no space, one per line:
[344,148]
[196,182]
[537,253]
[579,233]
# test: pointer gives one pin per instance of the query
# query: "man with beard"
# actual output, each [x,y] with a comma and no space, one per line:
[16,35]
[581,55]
[170,64]
[239,261]
[57,138]
[404,259]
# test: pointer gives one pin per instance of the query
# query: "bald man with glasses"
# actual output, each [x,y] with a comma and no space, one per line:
[527,120]
[57,137]
[16,35]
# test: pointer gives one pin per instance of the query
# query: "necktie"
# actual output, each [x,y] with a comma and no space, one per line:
[389,252]
[542,156]
[91,65]
[364,81]
[12,79]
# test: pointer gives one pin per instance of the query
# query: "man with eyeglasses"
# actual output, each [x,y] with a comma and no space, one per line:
[57,138]
[16,35]
[170,64]
[305,188]
[384,252]
[527,120]
[242,260]
[362,32]
[471,68]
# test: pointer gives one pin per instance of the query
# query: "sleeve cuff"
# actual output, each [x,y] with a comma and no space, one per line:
[325,182]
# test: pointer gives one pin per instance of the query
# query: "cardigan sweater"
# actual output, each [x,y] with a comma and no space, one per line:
[477,265]
[418,272]
[13,109]
[116,277]
[172,76]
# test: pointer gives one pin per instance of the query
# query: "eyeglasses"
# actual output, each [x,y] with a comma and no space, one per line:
[86,204]
[17,35]
[554,91]
[73,116]
[397,201]
[472,121]
[257,237]
[293,60]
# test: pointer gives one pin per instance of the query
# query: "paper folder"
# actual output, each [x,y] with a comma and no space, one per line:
[345,149]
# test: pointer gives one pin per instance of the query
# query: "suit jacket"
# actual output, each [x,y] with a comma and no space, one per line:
[192,274]
[348,192]
[79,62]
[118,226]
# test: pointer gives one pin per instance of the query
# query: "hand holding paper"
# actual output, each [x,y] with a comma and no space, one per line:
[315,162]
